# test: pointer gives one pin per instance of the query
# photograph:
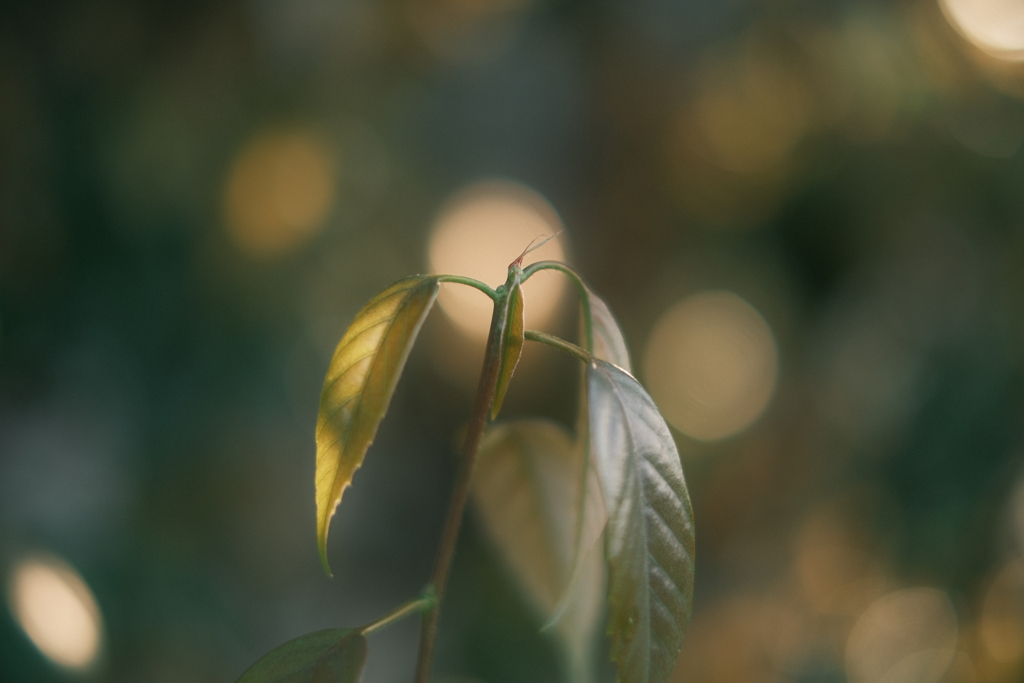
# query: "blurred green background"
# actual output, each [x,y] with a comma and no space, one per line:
[808,217]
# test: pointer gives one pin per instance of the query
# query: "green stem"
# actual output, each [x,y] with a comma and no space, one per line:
[405,609]
[559,343]
[460,495]
[588,323]
[462,280]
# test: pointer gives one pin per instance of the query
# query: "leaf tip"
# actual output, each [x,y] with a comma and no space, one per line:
[496,406]
[321,543]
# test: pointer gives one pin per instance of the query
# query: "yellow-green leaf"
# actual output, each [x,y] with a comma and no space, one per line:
[511,343]
[527,487]
[649,539]
[336,655]
[360,381]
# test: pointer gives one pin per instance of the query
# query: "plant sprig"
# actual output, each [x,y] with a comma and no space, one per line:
[616,500]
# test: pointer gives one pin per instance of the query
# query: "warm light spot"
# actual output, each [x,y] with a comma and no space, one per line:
[1002,615]
[837,574]
[278,193]
[994,26]
[908,636]
[751,111]
[734,146]
[961,670]
[711,364]
[57,611]
[744,639]
[477,234]
[466,30]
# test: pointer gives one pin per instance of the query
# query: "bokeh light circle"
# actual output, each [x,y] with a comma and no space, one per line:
[751,113]
[994,26]
[711,364]
[460,31]
[278,192]
[477,234]
[907,636]
[1001,621]
[57,611]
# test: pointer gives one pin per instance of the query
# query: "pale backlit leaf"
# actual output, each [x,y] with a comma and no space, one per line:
[649,537]
[527,487]
[336,655]
[511,343]
[609,343]
[360,381]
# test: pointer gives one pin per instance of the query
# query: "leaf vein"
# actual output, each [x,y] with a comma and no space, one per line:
[672,534]
[335,379]
[672,479]
[667,573]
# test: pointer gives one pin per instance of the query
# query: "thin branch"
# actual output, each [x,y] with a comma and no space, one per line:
[419,604]
[460,495]
[559,343]
[581,289]
[463,280]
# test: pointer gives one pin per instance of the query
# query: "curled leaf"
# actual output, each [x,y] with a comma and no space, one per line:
[360,382]
[649,538]
[336,655]
[527,489]
[511,342]
[609,343]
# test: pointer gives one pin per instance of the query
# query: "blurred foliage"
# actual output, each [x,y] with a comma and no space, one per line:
[196,199]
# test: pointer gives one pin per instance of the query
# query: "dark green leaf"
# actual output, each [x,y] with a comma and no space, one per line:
[336,655]
[360,381]
[649,538]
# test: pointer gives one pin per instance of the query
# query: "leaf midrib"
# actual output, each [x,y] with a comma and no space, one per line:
[628,430]
[649,559]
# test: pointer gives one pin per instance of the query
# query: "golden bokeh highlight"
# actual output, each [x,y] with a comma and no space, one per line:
[279,191]
[996,27]
[57,611]
[961,669]
[733,147]
[477,234]
[742,639]
[711,364]
[751,111]
[838,575]
[466,30]
[1001,622]
[907,636]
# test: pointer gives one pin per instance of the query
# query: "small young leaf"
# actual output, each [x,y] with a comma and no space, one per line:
[649,539]
[527,488]
[360,381]
[336,655]
[511,343]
